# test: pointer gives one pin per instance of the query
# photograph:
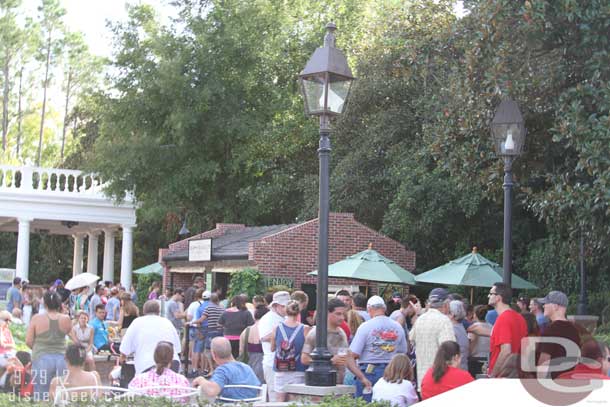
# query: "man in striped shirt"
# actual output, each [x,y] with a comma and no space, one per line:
[211,314]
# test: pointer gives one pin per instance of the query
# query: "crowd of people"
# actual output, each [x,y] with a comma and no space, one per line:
[401,350]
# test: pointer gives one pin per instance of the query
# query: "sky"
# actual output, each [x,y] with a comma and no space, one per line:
[90,18]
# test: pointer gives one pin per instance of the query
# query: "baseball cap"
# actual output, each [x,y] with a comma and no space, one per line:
[375,301]
[206,295]
[438,295]
[555,297]
[58,282]
[281,298]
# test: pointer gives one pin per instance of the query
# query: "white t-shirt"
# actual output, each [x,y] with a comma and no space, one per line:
[192,309]
[265,326]
[399,395]
[142,338]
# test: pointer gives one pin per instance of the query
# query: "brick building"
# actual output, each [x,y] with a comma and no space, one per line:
[284,254]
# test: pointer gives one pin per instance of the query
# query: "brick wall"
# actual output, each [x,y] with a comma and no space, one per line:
[162,253]
[293,252]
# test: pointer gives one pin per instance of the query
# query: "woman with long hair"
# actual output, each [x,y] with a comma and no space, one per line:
[28,299]
[76,376]
[234,321]
[445,374]
[354,320]
[46,336]
[127,312]
[161,375]
[287,340]
[250,346]
[82,335]
[396,385]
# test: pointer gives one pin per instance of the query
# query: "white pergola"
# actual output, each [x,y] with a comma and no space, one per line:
[66,202]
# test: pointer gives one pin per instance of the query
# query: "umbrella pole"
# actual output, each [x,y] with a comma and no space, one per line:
[471,295]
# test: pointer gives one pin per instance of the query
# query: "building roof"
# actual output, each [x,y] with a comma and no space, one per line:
[232,245]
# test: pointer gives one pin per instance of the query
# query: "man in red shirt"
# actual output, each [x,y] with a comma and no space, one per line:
[509,329]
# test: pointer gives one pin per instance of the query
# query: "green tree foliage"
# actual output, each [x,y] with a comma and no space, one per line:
[204,118]
[248,281]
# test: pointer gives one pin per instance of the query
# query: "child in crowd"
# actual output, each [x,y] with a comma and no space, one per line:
[396,385]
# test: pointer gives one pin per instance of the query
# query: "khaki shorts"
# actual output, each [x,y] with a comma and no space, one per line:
[270,380]
[284,378]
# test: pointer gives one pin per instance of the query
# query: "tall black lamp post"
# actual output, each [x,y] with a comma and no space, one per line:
[508,132]
[325,84]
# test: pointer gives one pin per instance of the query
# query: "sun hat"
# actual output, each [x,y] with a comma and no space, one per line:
[280,298]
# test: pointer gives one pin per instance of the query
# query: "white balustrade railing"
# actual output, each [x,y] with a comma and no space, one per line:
[50,181]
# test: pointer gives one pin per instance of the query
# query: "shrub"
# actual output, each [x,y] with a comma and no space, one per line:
[248,281]
[143,286]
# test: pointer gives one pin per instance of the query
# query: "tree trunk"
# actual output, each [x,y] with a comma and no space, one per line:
[63,132]
[44,100]
[19,112]
[5,94]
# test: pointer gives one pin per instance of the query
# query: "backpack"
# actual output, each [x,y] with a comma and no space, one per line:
[285,351]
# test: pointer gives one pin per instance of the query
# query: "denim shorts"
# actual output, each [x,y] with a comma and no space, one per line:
[209,337]
[44,369]
[199,345]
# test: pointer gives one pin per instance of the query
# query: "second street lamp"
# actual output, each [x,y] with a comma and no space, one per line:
[325,84]
[508,133]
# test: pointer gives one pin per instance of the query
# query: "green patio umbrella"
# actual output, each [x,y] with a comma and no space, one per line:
[472,270]
[372,266]
[155,268]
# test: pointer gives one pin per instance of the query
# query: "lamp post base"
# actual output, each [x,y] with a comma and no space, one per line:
[321,372]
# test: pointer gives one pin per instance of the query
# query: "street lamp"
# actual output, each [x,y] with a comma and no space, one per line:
[508,133]
[325,84]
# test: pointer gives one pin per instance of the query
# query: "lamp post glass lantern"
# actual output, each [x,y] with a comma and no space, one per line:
[325,83]
[508,133]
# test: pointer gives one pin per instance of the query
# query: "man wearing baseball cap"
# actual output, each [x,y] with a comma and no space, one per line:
[375,343]
[430,330]
[266,326]
[552,354]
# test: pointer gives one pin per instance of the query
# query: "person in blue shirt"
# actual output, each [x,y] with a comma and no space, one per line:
[113,305]
[14,299]
[201,332]
[100,329]
[228,372]
[491,317]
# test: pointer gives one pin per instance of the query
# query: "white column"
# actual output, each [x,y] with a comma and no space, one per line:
[127,256]
[92,245]
[77,259]
[108,268]
[23,249]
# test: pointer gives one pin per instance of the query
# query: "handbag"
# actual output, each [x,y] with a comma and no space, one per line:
[244,357]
